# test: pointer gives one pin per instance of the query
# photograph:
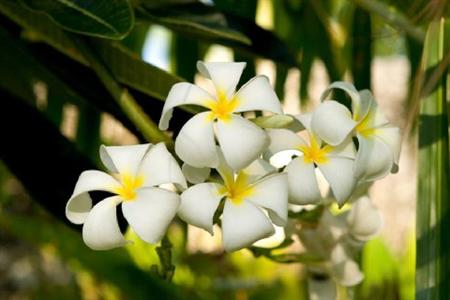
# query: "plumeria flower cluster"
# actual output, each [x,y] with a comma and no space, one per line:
[244,177]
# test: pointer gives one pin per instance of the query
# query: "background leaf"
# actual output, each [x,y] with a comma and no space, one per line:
[433,207]
[102,18]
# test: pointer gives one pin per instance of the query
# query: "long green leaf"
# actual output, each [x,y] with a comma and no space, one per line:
[433,207]
[126,66]
[102,18]
[260,42]
[63,81]
[204,23]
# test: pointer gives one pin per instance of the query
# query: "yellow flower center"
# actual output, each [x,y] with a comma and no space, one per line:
[237,189]
[314,153]
[365,127]
[222,108]
[129,185]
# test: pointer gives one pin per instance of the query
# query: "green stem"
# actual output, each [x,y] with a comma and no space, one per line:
[124,99]
[165,258]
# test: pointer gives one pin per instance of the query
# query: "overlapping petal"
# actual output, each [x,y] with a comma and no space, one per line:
[101,230]
[332,122]
[272,194]
[80,203]
[195,143]
[374,159]
[243,224]
[159,167]
[224,75]
[282,139]
[195,175]
[338,171]
[258,94]
[391,136]
[151,212]
[123,159]
[241,141]
[180,94]
[199,203]
[302,182]
[258,169]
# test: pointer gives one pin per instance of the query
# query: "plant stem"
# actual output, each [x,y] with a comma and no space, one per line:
[165,257]
[124,99]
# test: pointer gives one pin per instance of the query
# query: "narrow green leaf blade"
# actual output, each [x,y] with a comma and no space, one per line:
[102,18]
[433,207]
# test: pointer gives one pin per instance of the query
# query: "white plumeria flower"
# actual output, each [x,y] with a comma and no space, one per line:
[138,171]
[335,163]
[379,143]
[247,194]
[240,140]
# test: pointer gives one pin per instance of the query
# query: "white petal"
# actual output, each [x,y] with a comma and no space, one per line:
[101,230]
[243,224]
[195,175]
[258,169]
[338,171]
[123,159]
[350,90]
[345,149]
[364,219]
[199,203]
[282,139]
[374,159]
[180,94]
[332,122]
[392,137]
[159,167]
[345,270]
[302,182]
[272,194]
[151,212]
[195,143]
[258,94]
[241,141]
[347,273]
[374,116]
[321,289]
[80,203]
[224,75]
[305,120]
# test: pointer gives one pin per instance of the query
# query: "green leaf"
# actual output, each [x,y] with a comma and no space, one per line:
[433,207]
[102,18]
[258,41]
[126,66]
[361,49]
[193,19]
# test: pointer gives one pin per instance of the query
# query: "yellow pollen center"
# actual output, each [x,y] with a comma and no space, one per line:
[129,185]
[238,189]
[314,153]
[222,108]
[365,126]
